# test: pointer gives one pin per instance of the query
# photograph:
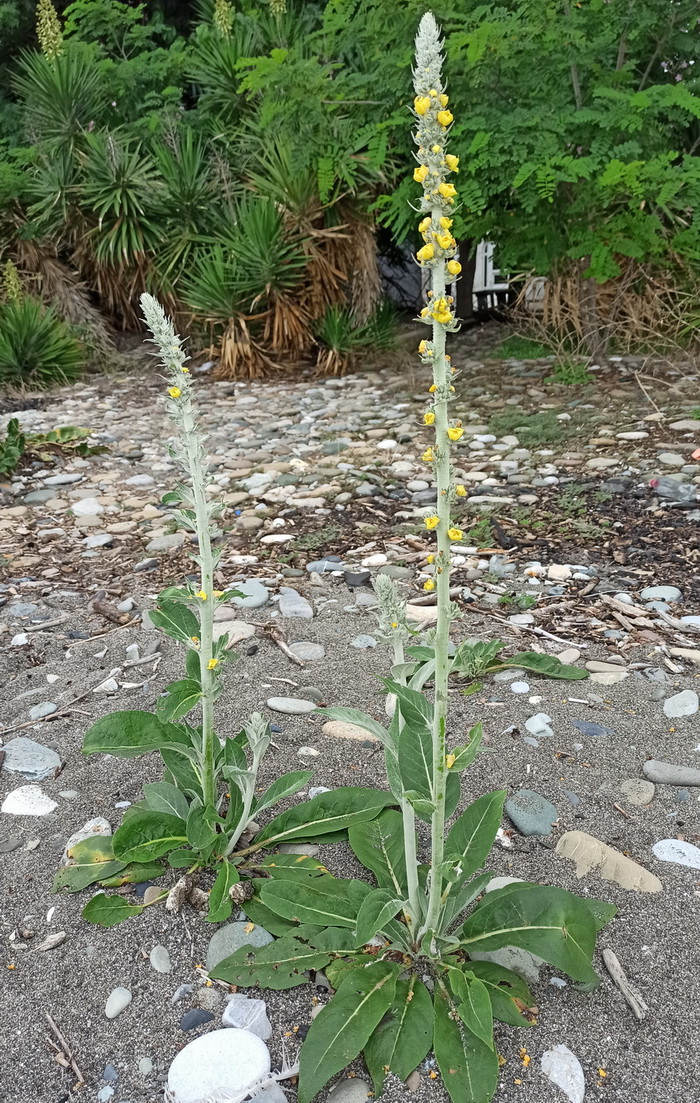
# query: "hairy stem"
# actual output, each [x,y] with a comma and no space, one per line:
[442,634]
[408,818]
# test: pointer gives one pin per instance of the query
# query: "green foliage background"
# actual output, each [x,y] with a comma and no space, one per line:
[577,125]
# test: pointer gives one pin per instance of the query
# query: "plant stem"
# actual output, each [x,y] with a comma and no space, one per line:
[442,634]
[205,606]
[408,819]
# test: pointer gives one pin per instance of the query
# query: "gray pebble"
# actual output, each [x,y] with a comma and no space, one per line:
[684,703]
[194,1018]
[44,708]
[145,1066]
[32,760]
[531,813]
[160,959]
[363,642]
[117,1001]
[667,773]
[290,706]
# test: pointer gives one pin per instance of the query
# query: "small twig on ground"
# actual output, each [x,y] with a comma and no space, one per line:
[632,996]
[646,393]
[621,810]
[65,1050]
[101,635]
[536,631]
[277,636]
[45,624]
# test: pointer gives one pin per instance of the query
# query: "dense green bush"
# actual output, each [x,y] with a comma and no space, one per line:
[36,348]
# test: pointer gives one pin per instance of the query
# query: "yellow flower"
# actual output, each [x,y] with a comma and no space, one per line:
[422,347]
[444,100]
[428,456]
[425,311]
[429,418]
[455,534]
[218,593]
[432,388]
[430,558]
[419,173]
[427,252]
[394,624]
[212,663]
[460,491]
[446,223]
[450,760]
[445,241]
[429,584]
[421,104]
[432,522]
[454,267]
[445,117]
[201,594]
[174,392]
[195,639]
[443,316]
[447,191]
[436,148]
[455,432]
[452,162]
[184,369]
[433,92]
[424,224]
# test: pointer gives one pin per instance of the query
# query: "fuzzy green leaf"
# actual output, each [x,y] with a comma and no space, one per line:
[469,1067]
[509,994]
[546,665]
[550,922]
[147,836]
[130,733]
[182,696]
[379,845]
[326,901]
[471,836]
[161,796]
[325,814]
[345,1025]
[473,1004]
[404,1036]
[464,756]
[220,905]
[90,861]
[377,908]
[176,620]
[279,965]
[283,787]
[107,911]
[134,874]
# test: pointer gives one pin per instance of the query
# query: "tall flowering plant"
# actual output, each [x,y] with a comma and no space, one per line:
[399,951]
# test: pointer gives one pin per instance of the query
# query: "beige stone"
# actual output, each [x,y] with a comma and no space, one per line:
[599,666]
[610,678]
[686,653]
[14,511]
[339,729]
[590,854]
[423,614]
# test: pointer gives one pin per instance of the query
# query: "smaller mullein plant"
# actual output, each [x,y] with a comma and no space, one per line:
[405,954]
[199,816]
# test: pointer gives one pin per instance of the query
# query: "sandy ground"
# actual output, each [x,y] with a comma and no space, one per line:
[654,936]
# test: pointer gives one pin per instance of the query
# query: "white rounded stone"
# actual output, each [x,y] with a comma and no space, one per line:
[221,1061]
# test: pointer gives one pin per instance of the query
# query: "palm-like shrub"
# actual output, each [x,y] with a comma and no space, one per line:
[62,96]
[36,348]
[341,339]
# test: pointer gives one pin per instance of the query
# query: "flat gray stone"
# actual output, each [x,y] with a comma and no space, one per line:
[667,773]
[160,959]
[166,543]
[98,540]
[254,594]
[677,851]
[44,708]
[363,642]
[30,759]
[307,651]
[117,1001]
[350,1091]
[684,703]
[290,706]
[38,497]
[292,604]
[87,507]
[563,1069]
[230,938]
[531,813]
[661,593]
[637,791]
[325,566]
[22,609]
[140,480]
[539,725]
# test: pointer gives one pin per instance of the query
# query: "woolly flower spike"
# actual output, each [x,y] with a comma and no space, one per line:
[426,74]
[432,522]
[12,290]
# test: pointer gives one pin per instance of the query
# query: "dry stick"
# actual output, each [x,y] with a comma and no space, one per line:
[66,1048]
[277,636]
[101,635]
[646,393]
[54,715]
[632,996]
[536,631]
[45,624]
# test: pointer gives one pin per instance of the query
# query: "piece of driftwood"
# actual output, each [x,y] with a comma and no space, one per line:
[63,1052]
[632,996]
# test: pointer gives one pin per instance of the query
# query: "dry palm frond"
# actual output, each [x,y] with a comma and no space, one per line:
[240,355]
